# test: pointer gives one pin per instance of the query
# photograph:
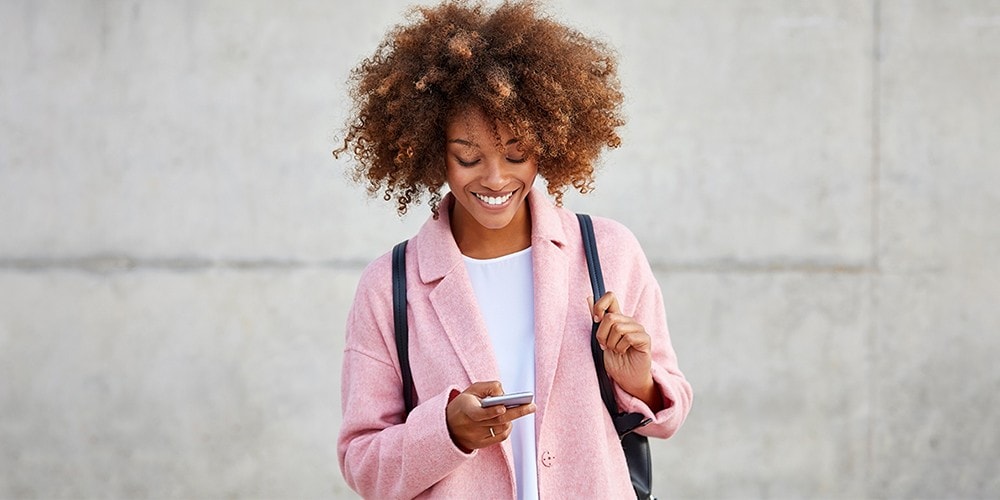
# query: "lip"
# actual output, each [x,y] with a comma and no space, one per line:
[499,207]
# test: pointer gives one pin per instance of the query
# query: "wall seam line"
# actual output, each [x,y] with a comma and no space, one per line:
[874,264]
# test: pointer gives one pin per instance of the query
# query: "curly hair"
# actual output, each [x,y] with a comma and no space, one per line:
[555,88]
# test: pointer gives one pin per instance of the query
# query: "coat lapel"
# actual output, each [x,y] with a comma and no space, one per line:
[455,304]
[440,265]
[551,275]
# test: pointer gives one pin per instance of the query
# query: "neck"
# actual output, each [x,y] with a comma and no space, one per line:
[479,242]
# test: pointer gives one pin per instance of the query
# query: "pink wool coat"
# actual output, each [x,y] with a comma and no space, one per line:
[578,452]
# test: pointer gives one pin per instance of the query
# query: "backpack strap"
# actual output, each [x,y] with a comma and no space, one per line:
[635,447]
[597,285]
[399,323]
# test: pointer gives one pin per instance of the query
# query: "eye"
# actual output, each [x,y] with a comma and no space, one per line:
[466,163]
[515,153]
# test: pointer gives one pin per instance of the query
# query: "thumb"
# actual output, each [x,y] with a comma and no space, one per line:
[484,389]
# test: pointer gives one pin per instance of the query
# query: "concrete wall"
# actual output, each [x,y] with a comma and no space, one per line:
[816,185]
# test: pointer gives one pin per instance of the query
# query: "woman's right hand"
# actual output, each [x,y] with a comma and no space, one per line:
[472,427]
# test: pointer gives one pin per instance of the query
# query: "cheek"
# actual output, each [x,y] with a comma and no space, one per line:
[455,177]
[531,174]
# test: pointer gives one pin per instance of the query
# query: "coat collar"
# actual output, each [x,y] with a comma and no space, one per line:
[438,255]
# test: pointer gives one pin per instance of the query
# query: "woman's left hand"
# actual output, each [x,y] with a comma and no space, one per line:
[626,348]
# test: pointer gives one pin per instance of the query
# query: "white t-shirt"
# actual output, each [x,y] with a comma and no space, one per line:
[505,291]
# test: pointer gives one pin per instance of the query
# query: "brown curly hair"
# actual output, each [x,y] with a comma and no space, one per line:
[555,88]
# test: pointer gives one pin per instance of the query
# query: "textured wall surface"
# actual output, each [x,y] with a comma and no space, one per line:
[815,183]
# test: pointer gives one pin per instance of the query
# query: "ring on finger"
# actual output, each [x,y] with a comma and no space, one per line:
[492,434]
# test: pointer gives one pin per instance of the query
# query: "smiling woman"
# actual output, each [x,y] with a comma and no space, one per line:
[556,90]
[496,280]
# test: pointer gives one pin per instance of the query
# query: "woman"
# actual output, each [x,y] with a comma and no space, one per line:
[498,291]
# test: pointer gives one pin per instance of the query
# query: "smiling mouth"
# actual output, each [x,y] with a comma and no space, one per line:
[494,200]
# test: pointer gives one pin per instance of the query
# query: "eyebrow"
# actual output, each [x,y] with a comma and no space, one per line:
[472,144]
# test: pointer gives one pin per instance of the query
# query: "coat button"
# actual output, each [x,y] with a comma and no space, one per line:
[547,459]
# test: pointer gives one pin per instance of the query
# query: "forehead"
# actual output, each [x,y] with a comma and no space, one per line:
[472,125]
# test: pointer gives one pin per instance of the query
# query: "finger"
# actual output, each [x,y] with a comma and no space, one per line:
[627,335]
[612,330]
[493,433]
[608,303]
[614,307]
[593,311]
[480,414]
[638,340]
[518,412]
[503,431]
[472,408]
[618,337]
[603,329]
[481,390]
[484,389]
[510,415]
[488,436]
[606,327]
[614,336]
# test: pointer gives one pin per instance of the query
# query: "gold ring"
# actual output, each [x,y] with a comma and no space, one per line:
[492,434]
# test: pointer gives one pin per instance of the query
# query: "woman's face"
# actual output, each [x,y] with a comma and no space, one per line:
[490,185]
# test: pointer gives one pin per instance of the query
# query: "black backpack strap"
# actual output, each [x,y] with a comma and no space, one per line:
[400,324]
[597,285]
[634,446]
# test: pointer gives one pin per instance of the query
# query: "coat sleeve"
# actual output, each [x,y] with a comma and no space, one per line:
[380,455]
[641,298]
[674,388]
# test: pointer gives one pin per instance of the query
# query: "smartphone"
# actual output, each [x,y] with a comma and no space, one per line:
[509,400]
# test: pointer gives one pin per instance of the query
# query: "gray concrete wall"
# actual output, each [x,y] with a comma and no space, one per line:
[816,185]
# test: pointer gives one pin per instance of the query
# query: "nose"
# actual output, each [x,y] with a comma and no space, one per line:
[495,175]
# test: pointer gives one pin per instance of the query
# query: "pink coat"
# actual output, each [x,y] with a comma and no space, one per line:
[578,452]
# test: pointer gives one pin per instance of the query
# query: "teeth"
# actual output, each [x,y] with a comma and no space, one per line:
[490,200]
